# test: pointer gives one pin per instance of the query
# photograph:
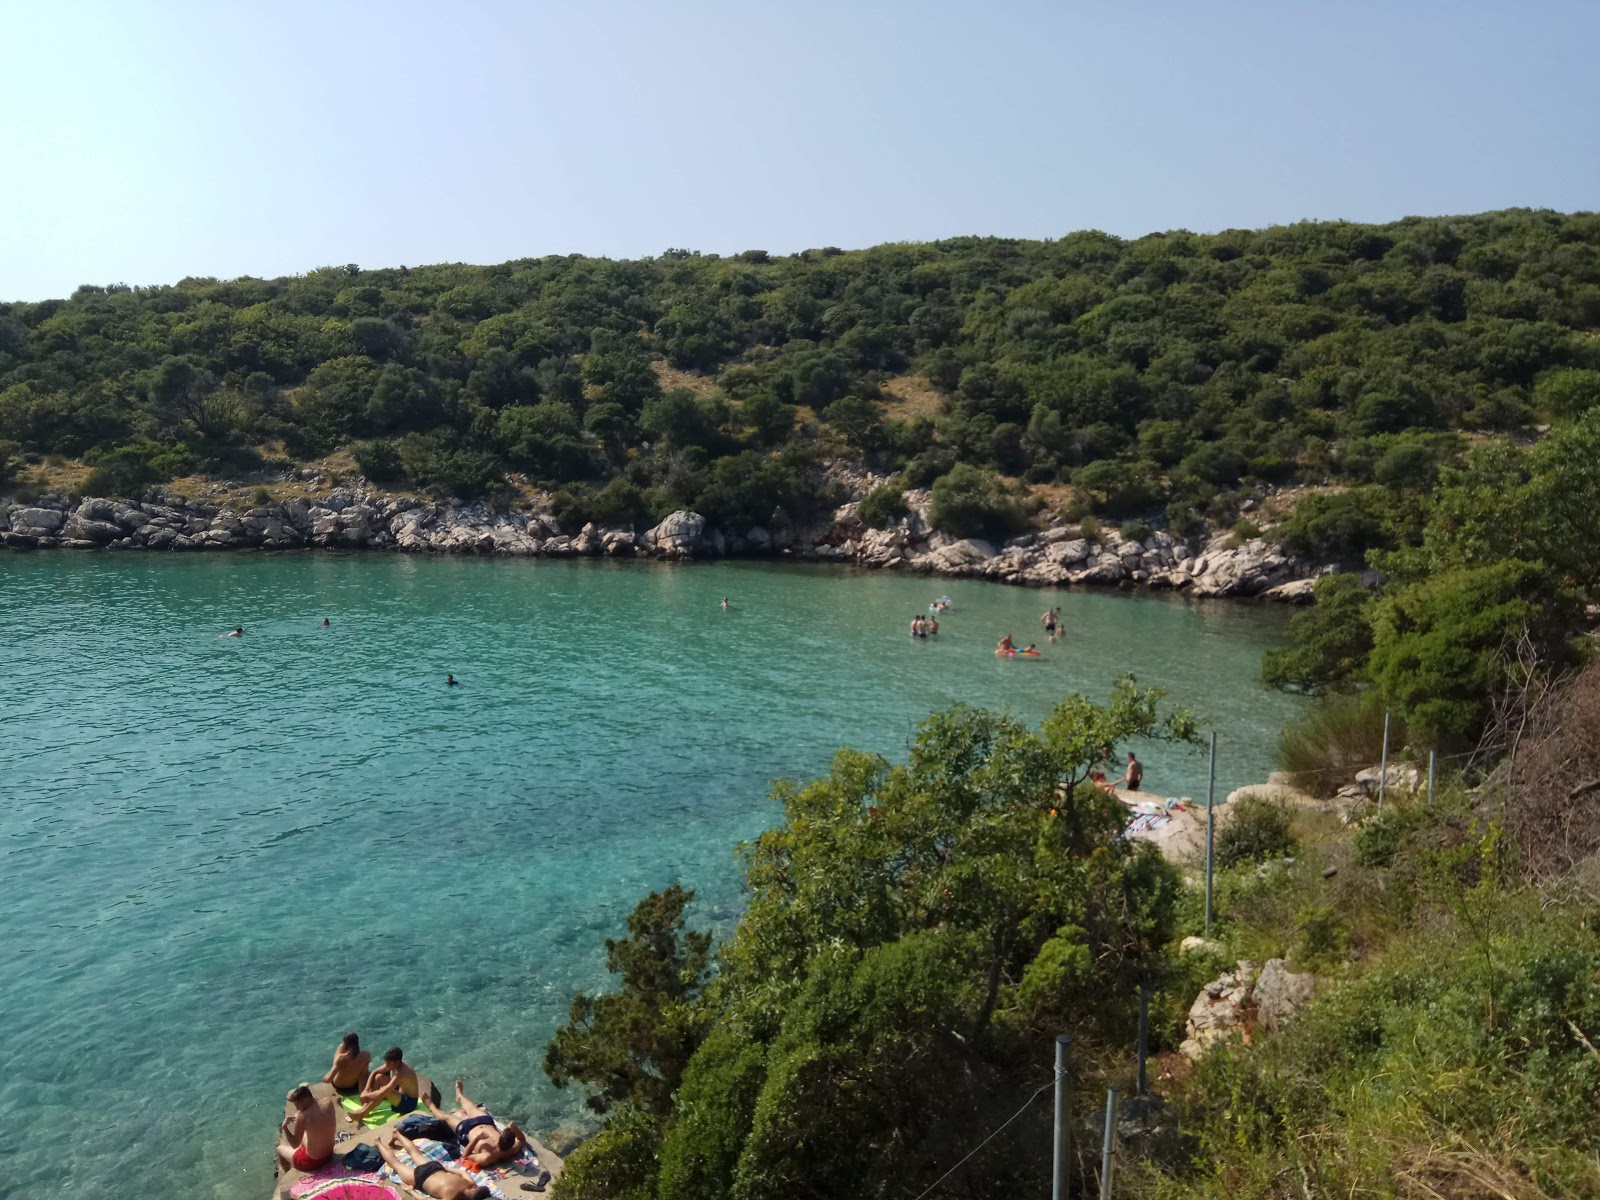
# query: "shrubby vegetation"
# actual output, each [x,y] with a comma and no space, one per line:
[1159,376]
[914,934]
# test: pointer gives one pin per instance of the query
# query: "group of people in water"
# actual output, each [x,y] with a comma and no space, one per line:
[307,1137]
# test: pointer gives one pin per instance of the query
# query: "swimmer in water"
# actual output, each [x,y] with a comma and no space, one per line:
[451,681]
[1006,646]
[724,602]
[324,622]
[238,631]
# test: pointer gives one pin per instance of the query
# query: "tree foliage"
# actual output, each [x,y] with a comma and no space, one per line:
[913,933]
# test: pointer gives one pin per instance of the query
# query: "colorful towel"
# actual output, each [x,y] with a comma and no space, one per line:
[355,1189]
[313,1182]
[438,1153]
[382,1114]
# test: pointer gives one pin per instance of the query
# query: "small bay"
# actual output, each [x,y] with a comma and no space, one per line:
[220,853]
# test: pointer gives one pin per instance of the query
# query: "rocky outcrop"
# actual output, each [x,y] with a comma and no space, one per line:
[353,518]
[1280,993]
[1224,1006]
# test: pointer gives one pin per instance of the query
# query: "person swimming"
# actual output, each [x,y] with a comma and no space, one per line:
[238,631]
[451,681]
[324,622]
[725,603]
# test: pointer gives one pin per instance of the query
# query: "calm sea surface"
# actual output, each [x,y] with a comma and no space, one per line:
[219,854]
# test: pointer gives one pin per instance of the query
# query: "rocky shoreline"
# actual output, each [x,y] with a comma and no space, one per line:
[354,518]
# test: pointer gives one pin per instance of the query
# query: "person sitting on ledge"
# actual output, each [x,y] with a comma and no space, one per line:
[429,1177]
[474,1128]
[395,1081]
[305,1139]
[351,1065]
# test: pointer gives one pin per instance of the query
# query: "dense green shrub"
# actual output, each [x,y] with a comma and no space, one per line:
[972,503]
[883,506]
[1328,642]
[1341,526]
[377,460]
[1256,829]
[10,463]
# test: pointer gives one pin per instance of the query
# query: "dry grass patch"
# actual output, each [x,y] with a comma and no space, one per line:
[908,396]
[671,379]
[62,477]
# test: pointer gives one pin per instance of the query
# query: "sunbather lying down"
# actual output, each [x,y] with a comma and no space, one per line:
[429,1177]
[474,1126]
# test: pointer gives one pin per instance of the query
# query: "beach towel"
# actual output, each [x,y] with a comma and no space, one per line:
[354,1189]
[312,1183]
[381,1115]
[441,1154]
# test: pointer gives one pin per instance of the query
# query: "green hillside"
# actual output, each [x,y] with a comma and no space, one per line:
[1158,376]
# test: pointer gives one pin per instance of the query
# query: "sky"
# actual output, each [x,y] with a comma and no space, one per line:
[141,142]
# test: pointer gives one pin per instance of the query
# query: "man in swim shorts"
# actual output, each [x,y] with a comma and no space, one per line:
[350,1065]
[481,1140]
[395,1081]
[305,1139]
[1135,775]
[429,1177]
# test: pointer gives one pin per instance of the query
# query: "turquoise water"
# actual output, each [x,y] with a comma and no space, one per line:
[221,853]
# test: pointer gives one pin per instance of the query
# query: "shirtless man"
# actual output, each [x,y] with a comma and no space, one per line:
[1006,646]
[473,1125]
[350,1065]
[1135,775]
[395,1081]
[305,1139]
[428,1177]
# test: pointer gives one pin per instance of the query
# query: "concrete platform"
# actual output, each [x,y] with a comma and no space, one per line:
[511,1182]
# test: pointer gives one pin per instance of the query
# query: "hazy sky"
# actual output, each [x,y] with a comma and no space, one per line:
[142,142]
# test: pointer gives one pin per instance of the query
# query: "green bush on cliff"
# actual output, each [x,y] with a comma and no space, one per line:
[973,503]
[913,934]
[883,506]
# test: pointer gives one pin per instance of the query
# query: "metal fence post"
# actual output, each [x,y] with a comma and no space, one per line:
[1144,1033]
[1211,824]
[1058,1181]
[1109,1144]
[1383,770]
[1432,758]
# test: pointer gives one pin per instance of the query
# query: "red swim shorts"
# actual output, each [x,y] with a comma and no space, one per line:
[304,1162]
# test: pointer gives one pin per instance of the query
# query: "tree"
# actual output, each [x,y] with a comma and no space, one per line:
[969,502]
[631,1046]
[1444,648]
[544,439]
[910,930]
[1328,643]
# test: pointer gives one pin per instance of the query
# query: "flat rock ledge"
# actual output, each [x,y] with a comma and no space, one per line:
[353,518]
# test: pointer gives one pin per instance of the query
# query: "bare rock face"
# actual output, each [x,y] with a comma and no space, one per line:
[1280,993]
[678,536]
[1223,1006]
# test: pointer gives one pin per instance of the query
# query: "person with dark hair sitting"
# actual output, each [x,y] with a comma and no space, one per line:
[426,1176]
[395,1081]
[305,1139]
[481,1140]
[350,1065]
